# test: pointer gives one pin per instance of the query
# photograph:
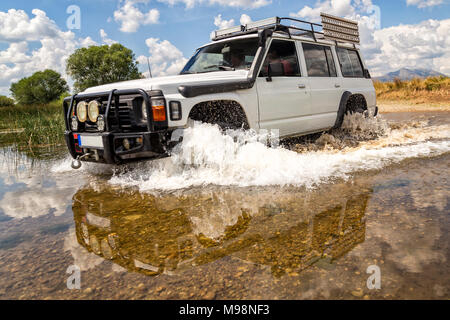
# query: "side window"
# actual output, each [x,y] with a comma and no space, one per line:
[284,53]
[330,60]
[319,60]
[350,63]
[356,64]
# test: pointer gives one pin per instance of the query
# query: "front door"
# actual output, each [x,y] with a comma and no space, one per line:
[285,98]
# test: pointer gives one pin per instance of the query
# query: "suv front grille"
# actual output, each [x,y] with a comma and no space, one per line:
[126,116]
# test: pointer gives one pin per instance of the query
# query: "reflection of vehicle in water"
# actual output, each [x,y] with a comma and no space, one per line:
[155,235]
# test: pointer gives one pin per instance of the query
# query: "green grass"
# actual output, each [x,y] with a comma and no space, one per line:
[33,126]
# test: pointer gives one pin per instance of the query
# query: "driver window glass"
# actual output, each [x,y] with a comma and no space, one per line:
[284,53]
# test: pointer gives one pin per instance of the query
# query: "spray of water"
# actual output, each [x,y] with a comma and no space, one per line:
[209,157]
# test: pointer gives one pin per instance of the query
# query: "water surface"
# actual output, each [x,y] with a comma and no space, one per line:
[288,226]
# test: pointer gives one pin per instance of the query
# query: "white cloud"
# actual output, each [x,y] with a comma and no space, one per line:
[27,195]
[245,19]
[105,38]
[15,53]
[423,45]
[165,59]
[130,17]
[424,3]
[246,4]
[223,24]
[87,42]
[188,3]
[18,30]
[15,25]
[342,8]
[220,23]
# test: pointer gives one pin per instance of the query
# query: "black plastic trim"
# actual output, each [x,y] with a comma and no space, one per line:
[194,91]
[342,108]
[154,146]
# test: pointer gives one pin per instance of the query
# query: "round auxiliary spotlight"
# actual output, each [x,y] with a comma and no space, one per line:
[82,111]
[93,110]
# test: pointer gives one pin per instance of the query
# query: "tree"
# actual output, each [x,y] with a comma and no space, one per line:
[6,102]
[99,65]
[42,87]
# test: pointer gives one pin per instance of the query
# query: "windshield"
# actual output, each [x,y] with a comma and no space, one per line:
[223,56]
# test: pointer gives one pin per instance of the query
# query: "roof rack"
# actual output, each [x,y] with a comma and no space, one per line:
[332,28]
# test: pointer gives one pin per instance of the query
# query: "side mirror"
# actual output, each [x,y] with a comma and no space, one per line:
[367,74]
[275,69]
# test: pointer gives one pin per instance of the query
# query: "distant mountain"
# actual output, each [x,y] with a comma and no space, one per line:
[408,74]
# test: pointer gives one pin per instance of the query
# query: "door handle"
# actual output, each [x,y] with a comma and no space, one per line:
[337,85]
[301,86]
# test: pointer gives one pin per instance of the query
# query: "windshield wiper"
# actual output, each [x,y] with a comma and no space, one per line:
[220,67]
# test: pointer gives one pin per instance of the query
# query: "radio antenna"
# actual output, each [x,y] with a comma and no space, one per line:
[149,69]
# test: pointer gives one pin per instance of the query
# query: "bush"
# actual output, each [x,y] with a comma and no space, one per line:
[41,88]
[6,102]
[33,125]
[99,65]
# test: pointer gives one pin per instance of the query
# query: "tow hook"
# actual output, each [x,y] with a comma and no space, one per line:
[76,163]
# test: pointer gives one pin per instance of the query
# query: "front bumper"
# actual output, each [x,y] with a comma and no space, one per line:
[144,139]
[152,145]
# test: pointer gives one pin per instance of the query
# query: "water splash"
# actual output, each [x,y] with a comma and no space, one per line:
[208,157]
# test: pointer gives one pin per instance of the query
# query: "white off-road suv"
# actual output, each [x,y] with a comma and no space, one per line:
[264,75]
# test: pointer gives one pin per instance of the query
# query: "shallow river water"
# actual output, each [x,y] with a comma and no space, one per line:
[223,219]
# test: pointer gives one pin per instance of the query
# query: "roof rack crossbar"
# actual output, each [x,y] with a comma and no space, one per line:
[276,25]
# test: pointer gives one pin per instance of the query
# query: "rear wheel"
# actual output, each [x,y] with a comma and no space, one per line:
[355,104]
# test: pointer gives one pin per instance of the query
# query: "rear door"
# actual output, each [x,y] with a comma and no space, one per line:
[283,99]
[326,87]
[353,76]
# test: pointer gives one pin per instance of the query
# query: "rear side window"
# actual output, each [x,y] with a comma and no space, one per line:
[319,60]
[350,63]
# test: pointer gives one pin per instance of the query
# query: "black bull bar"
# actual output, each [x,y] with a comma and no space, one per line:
[113,97]
[154,136]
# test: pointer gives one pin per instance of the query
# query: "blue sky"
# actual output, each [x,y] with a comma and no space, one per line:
[187,28]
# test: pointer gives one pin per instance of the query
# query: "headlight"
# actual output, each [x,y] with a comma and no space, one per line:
[93,110]
[74,123]
[126,144]
[101,123]
[82,111]
[144,110]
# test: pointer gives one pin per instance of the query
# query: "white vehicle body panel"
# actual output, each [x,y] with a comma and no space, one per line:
[293,105]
